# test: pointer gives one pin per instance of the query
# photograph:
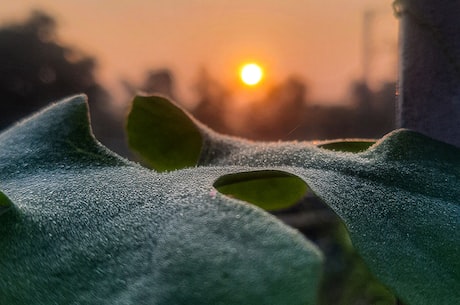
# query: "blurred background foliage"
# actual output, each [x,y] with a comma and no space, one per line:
[36,70]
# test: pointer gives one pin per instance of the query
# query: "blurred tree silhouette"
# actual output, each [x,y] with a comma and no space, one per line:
[36,70]
[213,102]
[154,82]
[281,113]
[375,109]
[285,113]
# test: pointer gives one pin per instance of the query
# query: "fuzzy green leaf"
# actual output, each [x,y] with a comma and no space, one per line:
[399,200]
[5,204]
[270,190]
[156,118]
[93,228]
[351,145]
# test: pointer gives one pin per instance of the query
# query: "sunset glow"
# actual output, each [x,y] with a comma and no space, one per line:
[284,37]
[251,74]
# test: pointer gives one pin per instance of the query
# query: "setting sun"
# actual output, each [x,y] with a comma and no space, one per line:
[251,74]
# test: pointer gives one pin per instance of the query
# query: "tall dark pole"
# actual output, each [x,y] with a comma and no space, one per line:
[429,80]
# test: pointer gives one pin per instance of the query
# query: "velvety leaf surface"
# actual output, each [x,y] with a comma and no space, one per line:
[92,228]
[399,200]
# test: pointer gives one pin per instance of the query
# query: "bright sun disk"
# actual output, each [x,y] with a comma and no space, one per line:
[251,74]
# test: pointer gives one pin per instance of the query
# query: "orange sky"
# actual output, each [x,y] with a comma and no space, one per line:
[320,41]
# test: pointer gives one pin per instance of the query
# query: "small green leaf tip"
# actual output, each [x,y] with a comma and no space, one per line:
[163,134]
[5,204]
[268,189]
